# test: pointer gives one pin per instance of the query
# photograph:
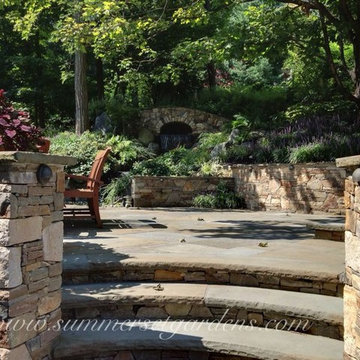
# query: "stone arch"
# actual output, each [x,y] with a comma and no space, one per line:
[199,121]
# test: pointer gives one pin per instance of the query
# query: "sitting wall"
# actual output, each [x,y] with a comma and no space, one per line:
[305,188]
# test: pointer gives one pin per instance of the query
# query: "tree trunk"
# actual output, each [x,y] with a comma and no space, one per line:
[82,122]
[100,79]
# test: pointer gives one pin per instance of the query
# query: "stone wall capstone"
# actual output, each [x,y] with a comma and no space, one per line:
[31,236]
[165,191]
[306,188]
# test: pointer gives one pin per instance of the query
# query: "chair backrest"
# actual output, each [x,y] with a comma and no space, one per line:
[97,168]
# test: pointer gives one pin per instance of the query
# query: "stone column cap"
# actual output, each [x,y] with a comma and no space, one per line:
[348,162]
[35,158]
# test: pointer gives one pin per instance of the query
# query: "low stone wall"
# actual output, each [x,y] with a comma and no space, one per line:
[31,250]
[307,188]
[155,191]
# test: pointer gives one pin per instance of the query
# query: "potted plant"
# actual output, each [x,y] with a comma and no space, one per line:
[16,131]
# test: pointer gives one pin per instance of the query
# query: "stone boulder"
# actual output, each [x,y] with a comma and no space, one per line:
[154,148]
[146,137]
[103,123]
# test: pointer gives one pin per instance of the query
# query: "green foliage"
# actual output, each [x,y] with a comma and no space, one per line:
[222,198]
[127,151]
[207,141]
[118,188]
[177,162]
[124,152]
[257,105]
[257,75]
[124,116]
[205,201]
[181,161]
[309,153]
[299,111]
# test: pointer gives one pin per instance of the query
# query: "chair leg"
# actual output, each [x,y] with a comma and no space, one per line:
[91,206]
[94,209]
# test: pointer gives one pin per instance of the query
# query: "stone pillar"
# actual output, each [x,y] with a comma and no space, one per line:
[352,258]
[352,263]
[31,250]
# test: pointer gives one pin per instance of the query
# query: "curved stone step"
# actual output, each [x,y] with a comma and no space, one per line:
[82,269]
[245,341]
[314,314]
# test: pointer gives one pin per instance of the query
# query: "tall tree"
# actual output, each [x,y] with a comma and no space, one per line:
[82,122]
[340,24]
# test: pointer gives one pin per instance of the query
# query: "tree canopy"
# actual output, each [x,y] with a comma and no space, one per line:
[146,53]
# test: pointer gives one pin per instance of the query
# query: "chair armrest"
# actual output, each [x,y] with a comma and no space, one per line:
[76,177]
[83,178]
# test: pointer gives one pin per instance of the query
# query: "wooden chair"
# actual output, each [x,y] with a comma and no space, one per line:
[91,192]
[44,145]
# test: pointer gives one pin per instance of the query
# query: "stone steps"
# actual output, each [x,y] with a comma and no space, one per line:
[243,342]
[112,268]
[313,314]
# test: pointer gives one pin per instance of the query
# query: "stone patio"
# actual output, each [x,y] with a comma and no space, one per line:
[191,237]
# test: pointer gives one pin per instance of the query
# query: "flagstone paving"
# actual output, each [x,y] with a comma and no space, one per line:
[189,237]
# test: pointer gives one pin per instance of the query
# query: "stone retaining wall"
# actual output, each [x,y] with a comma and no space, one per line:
[31,237]
[307,188]
[154,191]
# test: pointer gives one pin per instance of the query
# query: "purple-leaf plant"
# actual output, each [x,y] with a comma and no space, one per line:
[16,131]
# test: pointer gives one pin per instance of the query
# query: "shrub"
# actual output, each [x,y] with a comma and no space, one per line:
[177,162]
[116,190]
[83,147]
[16,131]
[305,111]
[152,167]
[205,201]
[180,161]
[124,152]
[309,153]
[222,198]
[56,124]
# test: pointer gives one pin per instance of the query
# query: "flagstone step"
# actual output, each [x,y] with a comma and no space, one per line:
[309,313]
[112,268]
[332,231]
[242,341]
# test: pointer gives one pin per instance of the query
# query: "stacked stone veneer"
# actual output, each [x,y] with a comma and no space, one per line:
[118,271]
[298,188]
[306,188]
[352,287]
[31,236]
[152,191]
[161,355]
[199,121]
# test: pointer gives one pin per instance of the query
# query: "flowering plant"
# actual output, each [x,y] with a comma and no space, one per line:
[16,131]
